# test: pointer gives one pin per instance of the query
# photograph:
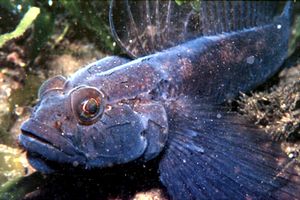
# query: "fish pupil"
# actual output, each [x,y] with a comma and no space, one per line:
[90,107]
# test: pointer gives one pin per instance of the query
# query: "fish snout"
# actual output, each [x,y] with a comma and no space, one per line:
[47,144]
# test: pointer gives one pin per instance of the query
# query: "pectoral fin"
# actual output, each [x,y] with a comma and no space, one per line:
[212,154]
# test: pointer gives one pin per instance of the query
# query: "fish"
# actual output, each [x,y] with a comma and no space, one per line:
[166,101]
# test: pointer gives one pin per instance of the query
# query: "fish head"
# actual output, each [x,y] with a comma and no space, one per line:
[76,128]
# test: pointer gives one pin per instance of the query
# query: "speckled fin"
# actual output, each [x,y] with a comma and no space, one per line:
[216,155]
[144,27]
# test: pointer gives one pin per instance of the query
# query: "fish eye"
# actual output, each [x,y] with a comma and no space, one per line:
[87,104]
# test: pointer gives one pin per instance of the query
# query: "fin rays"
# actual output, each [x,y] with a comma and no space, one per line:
[213,158]
[145,27]
[223,151]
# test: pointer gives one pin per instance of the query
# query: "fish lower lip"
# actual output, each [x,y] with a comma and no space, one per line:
[39,163]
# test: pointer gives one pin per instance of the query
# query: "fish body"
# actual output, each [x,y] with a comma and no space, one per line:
[168,104]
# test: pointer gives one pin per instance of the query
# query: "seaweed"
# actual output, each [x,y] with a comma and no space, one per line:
[24,24]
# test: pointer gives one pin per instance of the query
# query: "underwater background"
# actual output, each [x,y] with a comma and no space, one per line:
[40,39]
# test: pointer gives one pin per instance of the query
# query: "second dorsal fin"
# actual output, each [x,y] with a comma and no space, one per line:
[145,27]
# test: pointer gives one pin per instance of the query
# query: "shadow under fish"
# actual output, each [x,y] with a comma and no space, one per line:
[127,181]
[167,104]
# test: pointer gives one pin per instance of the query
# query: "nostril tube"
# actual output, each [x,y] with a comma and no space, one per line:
[57,125]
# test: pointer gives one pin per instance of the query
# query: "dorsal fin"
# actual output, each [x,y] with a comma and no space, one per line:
[145,27]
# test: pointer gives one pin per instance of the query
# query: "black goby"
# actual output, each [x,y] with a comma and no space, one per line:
[167,103]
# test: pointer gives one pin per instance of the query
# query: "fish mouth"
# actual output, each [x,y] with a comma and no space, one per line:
[36,138]
[47,148]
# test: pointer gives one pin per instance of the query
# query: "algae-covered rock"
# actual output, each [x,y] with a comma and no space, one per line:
[24,24]
[18,188]
[277,109]
[9,82]
[13,164]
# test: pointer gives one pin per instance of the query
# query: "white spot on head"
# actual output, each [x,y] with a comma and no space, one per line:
[279,26]
[219,115]
[250,60]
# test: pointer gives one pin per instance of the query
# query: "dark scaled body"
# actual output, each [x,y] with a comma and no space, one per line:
[168,103]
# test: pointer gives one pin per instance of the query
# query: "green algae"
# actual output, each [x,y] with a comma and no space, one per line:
[24,24]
